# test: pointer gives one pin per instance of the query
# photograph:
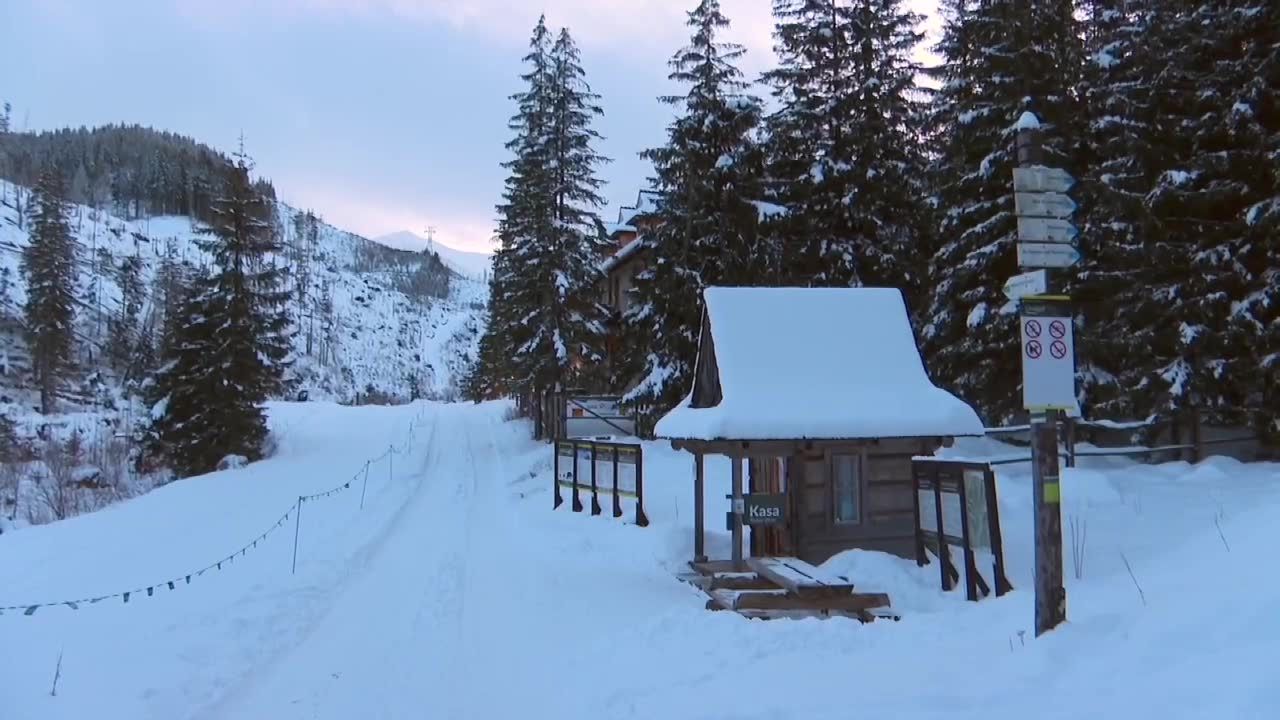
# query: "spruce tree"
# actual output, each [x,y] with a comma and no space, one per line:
[123,329]
[844,152]
[707,229]
[573,325]
[230,351]
[1001,58]
[491,374]
[1121,300]
[524,217]
[1180,264]
[48,265]
[544,309]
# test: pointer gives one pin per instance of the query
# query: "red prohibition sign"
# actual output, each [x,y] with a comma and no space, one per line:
[1058,349]
[1057,328]
[1034,349]
[1033,328]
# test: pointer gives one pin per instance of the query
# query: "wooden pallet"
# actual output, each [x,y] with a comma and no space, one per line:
[785,588]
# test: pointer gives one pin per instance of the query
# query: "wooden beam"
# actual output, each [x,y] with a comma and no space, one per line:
[699,511]
[798,576]
[765,600]
[740,582]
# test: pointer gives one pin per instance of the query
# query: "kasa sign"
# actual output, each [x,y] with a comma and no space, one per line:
[764,509]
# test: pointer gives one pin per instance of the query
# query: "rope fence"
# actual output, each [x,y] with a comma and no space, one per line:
[294,513]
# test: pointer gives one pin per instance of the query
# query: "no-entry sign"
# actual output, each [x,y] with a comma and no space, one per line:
[1048,356]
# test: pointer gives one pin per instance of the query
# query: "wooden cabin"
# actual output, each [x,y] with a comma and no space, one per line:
[822,394]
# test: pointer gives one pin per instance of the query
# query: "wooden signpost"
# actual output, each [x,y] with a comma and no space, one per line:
[1046,242]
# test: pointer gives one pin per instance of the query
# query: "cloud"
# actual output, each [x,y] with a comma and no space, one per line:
[629,27]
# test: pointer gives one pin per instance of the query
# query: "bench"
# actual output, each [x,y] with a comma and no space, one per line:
[799,577]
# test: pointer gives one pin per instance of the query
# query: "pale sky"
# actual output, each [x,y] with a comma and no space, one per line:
[382,115]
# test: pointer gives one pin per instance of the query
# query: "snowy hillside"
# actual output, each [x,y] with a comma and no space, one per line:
[465,262]
[373,338]
[457,574]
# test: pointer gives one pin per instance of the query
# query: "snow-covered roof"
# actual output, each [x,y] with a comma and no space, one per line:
[816,363]
[624,253]
[612,229]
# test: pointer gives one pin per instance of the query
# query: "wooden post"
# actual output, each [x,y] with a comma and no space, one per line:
[1051,596]
[1197,440]
[642,520]
[577,499]
[737,513]
[555,482]
[1070,432]
[595,489]
[617,501]
[699,511]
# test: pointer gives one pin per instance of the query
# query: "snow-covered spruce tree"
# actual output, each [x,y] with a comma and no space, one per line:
[707,228]
[122,328]
[547,310]
[1215,123]
[49,268]
[231,349]
[844,151]
[568,340]
[1001,58]
[1121,294]
[525,219]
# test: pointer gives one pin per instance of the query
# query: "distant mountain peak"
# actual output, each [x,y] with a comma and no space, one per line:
[466,262]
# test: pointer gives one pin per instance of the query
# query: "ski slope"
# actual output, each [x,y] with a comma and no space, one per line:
[457,592]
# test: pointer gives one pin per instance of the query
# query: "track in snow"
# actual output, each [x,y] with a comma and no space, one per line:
[409,635]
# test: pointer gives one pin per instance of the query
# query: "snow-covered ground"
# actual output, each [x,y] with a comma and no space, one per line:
[458,592]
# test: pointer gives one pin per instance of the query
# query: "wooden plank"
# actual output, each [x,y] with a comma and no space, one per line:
[722,599]
[742,581]
[798,576]
[853,602]
[713,567]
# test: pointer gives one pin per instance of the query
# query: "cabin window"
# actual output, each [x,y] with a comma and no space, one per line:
[846,486]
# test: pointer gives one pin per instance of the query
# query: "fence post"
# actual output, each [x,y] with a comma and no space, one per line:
[1069,430]
[595,490]
[617,501]
[555,481]
[297,526]
[641,519]
[365,486]
[1196,439]
[577,499]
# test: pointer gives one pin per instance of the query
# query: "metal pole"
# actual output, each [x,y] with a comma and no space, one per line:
[296,527]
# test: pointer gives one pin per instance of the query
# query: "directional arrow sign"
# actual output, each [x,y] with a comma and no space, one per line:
[1035,282]
[1040,179]
[1045,230]
[1047,255]
[1047,204]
